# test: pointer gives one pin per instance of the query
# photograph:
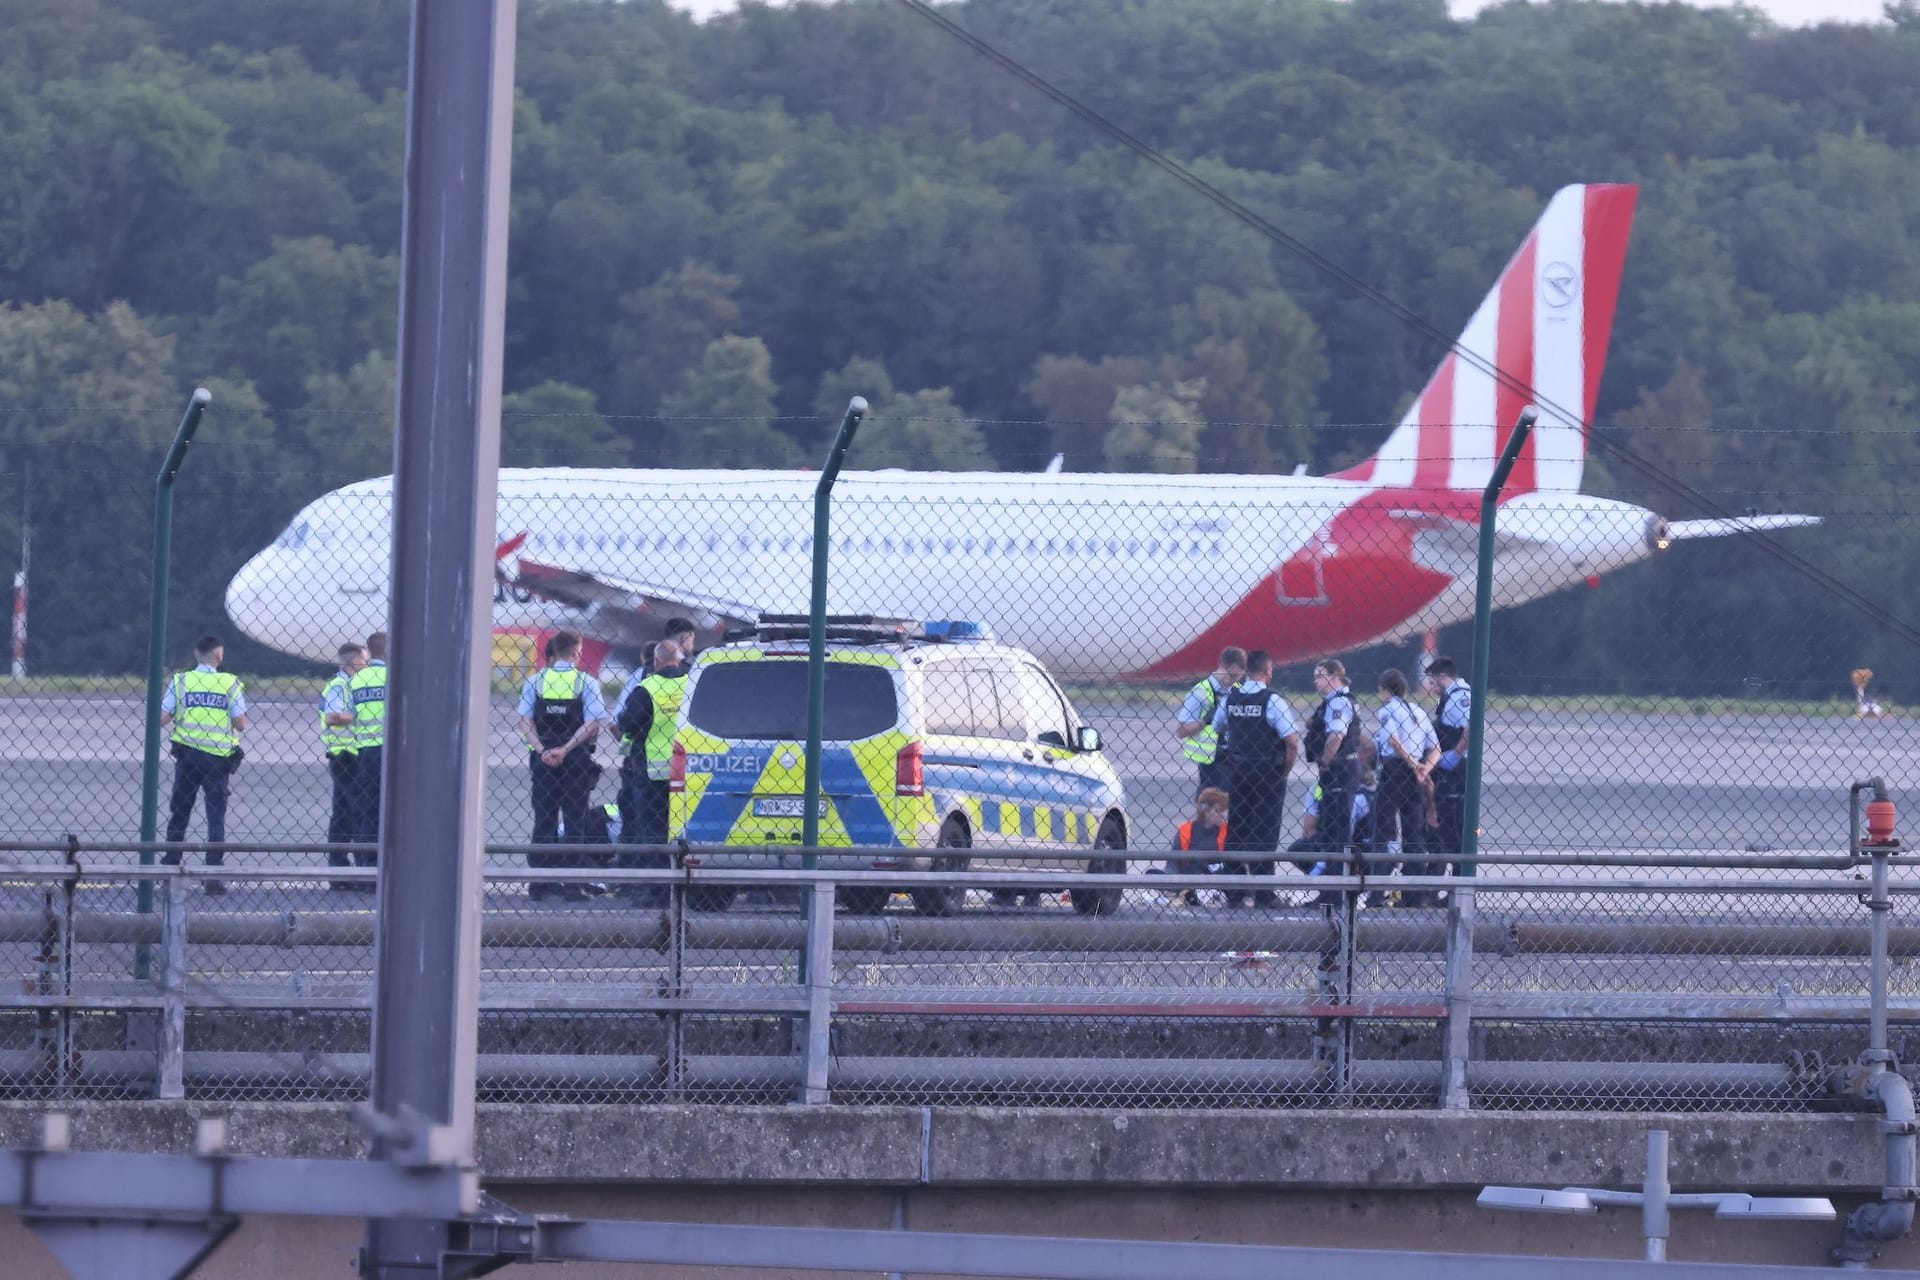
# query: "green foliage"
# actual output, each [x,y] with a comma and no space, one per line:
[920,431]
[555,425]
[721,231]
[861,376]
[721,414]
[1156,428]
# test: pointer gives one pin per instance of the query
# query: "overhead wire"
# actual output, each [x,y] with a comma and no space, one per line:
[1399,311]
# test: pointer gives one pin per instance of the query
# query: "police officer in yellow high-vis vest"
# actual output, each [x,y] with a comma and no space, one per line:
[367,691]
[1198,741]
[561,708]
[208,710]
[647,718]
[338,740]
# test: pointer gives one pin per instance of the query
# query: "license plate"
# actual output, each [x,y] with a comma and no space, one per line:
[785,806]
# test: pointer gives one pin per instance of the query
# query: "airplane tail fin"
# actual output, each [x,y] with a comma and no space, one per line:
[1544,326]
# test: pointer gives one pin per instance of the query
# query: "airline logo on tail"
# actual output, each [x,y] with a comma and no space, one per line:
[1540,336]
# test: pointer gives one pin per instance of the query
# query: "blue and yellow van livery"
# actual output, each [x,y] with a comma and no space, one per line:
[947,751]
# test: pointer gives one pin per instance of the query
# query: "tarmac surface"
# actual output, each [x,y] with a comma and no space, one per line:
[1553,780]
[1556,783]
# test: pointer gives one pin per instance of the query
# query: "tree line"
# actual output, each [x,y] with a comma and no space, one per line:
[721,230]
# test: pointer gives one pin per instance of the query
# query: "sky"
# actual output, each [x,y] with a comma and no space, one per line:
[1785,12]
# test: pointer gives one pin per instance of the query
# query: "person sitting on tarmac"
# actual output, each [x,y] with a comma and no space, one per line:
[1204,833]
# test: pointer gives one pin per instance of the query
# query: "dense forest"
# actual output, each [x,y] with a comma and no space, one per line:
[721,230]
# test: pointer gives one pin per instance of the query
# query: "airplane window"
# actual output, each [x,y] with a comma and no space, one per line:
[967,544]
[680,543]
[886,545]
[1153,546]
[1133,546]
[601,542]
[949,544]
[1052,546]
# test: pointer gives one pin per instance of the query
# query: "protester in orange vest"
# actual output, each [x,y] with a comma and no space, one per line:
[1207,830]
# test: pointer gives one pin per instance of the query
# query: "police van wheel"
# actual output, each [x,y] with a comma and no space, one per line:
[864,902]
[945,900]
[712,897]
[1103,902]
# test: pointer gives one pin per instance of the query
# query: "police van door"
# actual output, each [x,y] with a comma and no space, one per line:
[1059,807]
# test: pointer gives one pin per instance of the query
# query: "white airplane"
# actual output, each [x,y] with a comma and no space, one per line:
[1142,576]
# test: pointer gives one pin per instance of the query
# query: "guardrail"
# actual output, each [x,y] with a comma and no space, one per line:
[1559,981]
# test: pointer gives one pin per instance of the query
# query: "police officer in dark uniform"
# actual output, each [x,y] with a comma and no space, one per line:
[1261,742]
[1334,747]
[1451,717]
[647,718]
[560,713]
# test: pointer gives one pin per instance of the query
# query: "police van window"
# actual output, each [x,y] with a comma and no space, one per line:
[1045,712]
[759,700]
[996,704]
[945,705]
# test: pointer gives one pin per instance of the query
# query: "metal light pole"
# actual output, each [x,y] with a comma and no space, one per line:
[453,256]
[157,647]
[1482,636]
[20,578]
[817,625]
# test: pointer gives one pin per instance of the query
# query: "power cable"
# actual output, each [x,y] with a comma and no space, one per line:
[1393,307]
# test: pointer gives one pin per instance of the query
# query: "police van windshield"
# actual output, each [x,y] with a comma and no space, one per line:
[761,700]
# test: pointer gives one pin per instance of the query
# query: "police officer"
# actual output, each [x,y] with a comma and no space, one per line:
[1199,742]
[1333,747]
[1261,742]
[647,718]
[560,713]
[1408,751]
[367,690]
[1451,717]
[208,711]
[679,633]
[338,741]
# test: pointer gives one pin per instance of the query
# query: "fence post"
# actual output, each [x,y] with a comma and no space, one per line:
[675,1073]
[173,990]
[157,648]
[1454,1095]
[819,980]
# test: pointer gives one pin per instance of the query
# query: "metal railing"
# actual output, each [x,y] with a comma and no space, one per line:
[1559,982]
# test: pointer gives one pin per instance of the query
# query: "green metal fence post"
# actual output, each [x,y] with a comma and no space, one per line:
[817,626]
[1482,629]
[157,645]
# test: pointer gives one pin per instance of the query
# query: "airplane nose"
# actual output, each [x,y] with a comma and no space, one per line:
[247,597]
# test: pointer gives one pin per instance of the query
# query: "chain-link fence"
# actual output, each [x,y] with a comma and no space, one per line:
[1719,984]
[1031,679]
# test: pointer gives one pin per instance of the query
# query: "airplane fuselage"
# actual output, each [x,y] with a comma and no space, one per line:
[1099,575]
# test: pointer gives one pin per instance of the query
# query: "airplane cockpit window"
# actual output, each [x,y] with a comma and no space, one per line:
[293,537]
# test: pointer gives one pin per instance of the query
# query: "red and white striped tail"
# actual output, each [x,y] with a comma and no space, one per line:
[1544,325]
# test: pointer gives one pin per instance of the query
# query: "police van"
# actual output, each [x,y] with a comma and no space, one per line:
[937,743]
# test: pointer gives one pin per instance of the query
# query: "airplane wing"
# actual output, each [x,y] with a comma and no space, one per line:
[628,613]
[1682,530]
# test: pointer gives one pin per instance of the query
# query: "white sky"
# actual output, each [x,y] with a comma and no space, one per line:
[1786,12]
